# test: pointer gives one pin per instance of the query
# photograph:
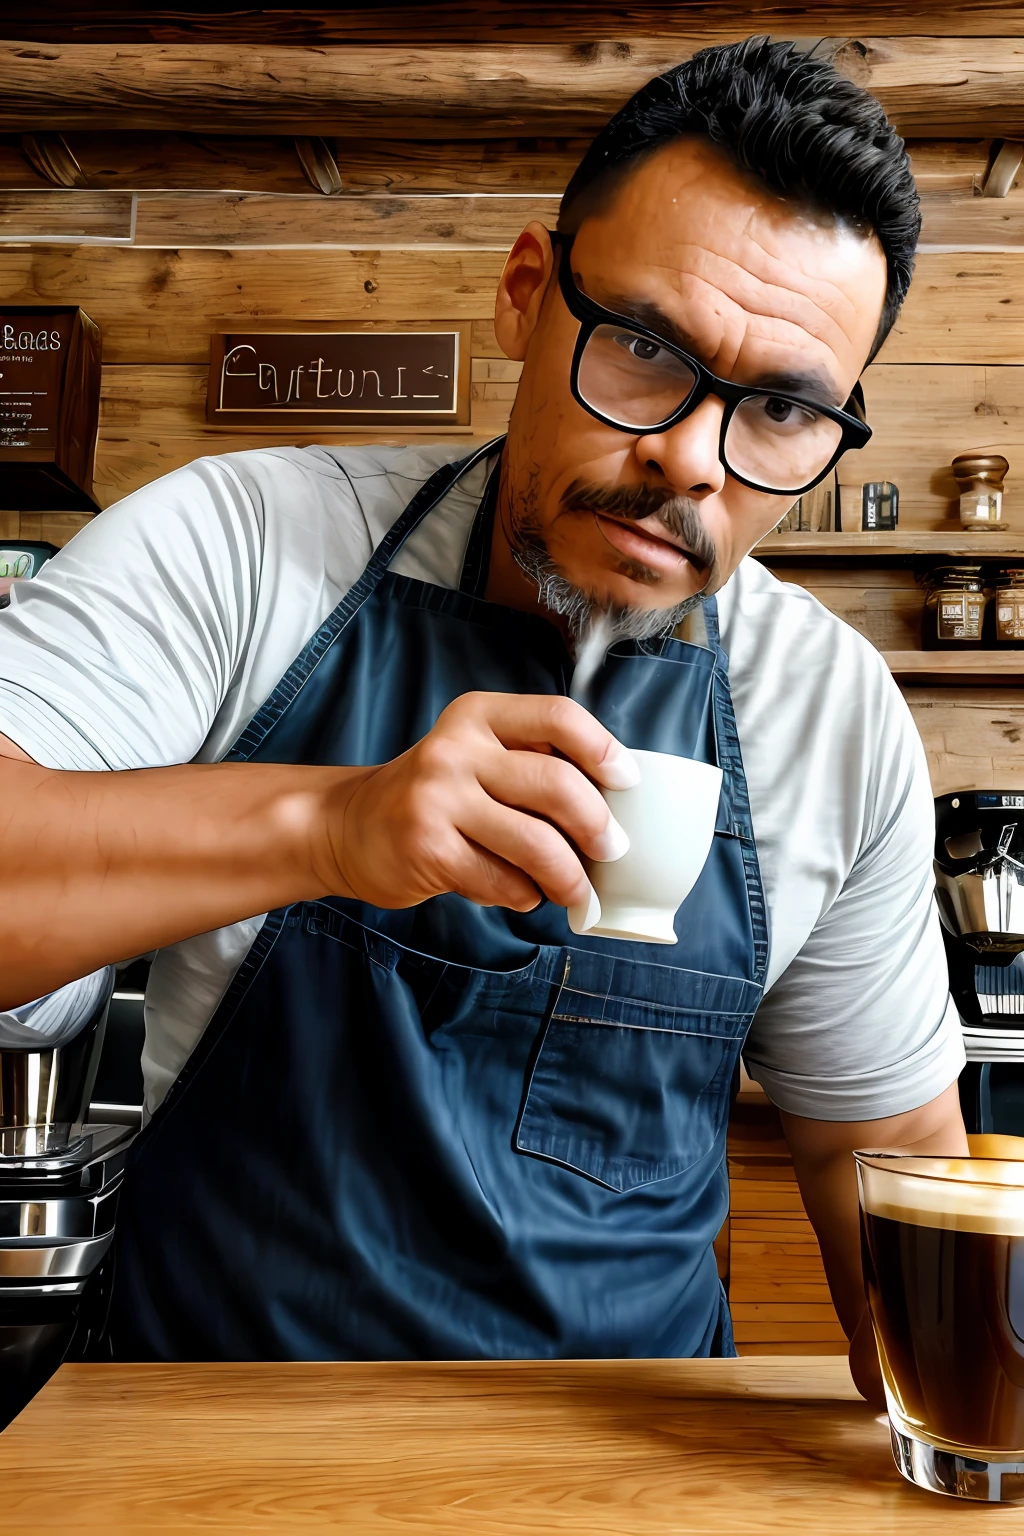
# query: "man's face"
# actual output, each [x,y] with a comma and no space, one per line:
[753,287]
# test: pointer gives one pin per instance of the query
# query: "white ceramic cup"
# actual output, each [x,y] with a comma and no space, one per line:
[669,819]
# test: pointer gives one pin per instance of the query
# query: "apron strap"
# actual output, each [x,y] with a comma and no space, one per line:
[478,551]
[425,500]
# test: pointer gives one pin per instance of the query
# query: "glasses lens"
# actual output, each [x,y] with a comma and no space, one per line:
[631,379]
[779,444]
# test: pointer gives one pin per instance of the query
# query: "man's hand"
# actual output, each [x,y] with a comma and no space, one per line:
[823,1158]
[484,807]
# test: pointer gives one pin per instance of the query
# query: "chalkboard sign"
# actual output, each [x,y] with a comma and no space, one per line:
[49,408]
[340,375]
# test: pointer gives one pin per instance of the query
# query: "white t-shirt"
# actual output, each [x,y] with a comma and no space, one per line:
[156,634]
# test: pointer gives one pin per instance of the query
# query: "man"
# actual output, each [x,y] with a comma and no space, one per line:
[412,1111]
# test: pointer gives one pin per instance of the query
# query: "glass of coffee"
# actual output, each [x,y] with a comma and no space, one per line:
[943,1249]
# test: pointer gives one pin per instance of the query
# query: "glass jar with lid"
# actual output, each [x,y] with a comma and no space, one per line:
[1008,606]
[979,477]
[954,608]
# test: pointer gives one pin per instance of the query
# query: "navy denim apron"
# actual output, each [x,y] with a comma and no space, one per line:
[453,1131]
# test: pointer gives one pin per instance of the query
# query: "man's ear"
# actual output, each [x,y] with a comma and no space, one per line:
[521,290]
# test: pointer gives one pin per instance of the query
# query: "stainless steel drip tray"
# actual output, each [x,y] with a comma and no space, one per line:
[68,1218]
[42,1257]
[40,1163]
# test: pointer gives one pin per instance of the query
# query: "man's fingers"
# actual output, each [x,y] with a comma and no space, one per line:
[558,791]
[529,845]
[537,722]
[490,881]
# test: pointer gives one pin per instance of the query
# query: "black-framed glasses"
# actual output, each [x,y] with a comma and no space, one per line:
[631,378]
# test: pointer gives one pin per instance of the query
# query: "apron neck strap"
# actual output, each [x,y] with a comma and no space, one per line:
[425,500]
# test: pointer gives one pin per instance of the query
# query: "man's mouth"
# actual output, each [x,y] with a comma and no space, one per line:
[648,542]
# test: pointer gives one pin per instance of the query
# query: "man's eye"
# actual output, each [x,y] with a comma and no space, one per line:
[778,410]
[639,347]
[786,413]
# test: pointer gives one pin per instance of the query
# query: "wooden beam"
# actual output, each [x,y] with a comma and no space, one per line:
[193,162]
[936,87]
[137,162]
[957,222]
[953,222]
[58,215]
[503,21]
[931,87]
[377,222]
[470,91]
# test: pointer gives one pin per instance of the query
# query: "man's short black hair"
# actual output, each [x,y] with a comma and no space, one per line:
[789,119]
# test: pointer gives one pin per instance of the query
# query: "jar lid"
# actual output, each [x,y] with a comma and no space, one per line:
[987,467]
[939,571]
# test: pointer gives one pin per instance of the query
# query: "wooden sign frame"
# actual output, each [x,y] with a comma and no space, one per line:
[238,342]
[49,407]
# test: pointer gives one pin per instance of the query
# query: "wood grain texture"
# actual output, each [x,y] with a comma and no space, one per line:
[369,222]
[216,162]
[930,86]
[954,668]
[160,305]
[924,415]
[87,215]
[778,1292]
[757,1446]
[874,550]
[505,21]
[962,308]
[401,90]
[943,87]
[972,736]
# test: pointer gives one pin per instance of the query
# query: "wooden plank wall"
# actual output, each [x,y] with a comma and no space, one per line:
[167,172]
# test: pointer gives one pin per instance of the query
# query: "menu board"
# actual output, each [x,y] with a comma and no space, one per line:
[340,374]
[49,408]
[32,360]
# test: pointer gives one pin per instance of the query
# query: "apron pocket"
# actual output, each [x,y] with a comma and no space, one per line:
[636,1095]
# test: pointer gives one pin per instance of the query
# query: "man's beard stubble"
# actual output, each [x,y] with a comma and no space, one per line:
[579,608]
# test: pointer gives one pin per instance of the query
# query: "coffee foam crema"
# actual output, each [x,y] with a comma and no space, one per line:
[958,1193]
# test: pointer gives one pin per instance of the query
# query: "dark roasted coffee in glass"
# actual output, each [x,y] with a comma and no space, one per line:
[943,1250]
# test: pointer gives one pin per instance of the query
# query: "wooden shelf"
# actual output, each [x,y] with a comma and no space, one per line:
[953,667]
[832,546]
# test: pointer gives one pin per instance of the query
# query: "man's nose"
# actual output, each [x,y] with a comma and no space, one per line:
[687,455]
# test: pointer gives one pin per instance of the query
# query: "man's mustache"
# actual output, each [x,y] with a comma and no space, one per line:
[678,514]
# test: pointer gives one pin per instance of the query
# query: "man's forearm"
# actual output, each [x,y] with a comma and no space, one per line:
[98,866]
[823,1158]
[828,1186]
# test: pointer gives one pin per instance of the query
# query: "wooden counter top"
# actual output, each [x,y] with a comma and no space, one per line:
[754,1446]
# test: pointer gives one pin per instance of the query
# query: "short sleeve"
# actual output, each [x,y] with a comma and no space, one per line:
[860,1025]
[119,653]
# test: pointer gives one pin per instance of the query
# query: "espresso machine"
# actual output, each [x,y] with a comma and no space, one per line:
[59,1178]
[979,880]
